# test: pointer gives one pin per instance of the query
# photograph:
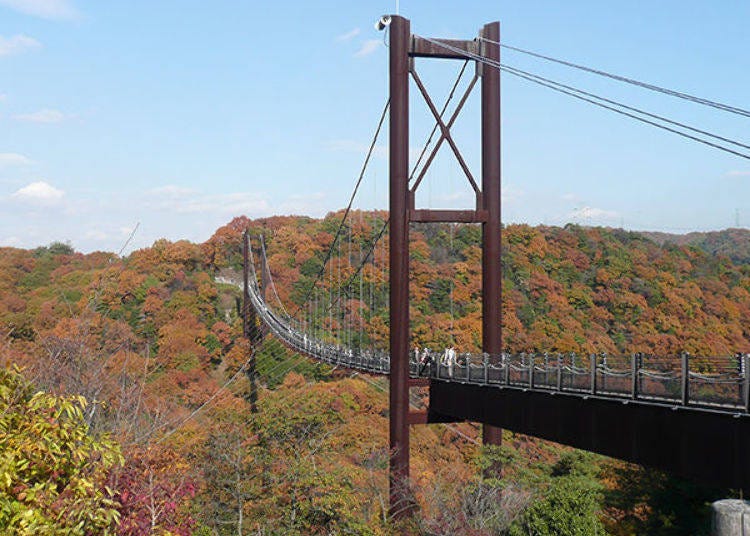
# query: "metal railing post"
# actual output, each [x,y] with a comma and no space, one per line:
[507,369]
[746,393]
[559,372]
[592,362]
[635,371]
[485,359]
[685,380]
[531,371]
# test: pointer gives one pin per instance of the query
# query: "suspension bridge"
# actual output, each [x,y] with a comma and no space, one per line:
[689,415]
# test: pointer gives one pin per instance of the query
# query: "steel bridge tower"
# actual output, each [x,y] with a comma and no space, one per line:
[404,48]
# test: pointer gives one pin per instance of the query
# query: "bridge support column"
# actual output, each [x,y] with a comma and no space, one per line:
[401,502]
[249,323]
[491,176]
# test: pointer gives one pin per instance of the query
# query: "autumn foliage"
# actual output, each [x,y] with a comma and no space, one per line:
[154,344]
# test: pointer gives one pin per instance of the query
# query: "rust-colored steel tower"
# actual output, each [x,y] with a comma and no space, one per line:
[404,47]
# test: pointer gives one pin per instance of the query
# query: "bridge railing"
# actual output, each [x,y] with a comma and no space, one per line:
[719,382]
[715,382]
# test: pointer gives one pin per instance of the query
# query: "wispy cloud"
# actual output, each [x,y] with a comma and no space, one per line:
[738,173]
[40,192]
[348,36]
[304,204]
[172,191]
[3,97]
[17,44]
[96,235]
[351,146]
[10,241]
[43,116]
[510,194]
[126,231]
[592,213]
[368,47]
[195,202]
[14,159]
[46,9]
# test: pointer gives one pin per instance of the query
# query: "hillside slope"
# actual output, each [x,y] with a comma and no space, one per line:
[154,344]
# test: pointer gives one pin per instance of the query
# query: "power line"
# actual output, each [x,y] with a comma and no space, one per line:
[596,100]
[619,78]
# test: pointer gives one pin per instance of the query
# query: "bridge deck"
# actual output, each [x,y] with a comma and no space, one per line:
[702,444]
[686,422]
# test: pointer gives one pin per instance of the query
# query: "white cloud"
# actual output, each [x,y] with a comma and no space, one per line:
[17,44]
[43,116]
[457,195]
[97,235]
[351,146]
[348,36]
[368,47]
[194,202]
[3,96]
[39,192]
[10,241]
[737,173]
[172,190]
[510,194]
[591,213]
[46,9]
[313,204]
[13,159]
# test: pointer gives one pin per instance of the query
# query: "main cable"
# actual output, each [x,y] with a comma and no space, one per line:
[348,209]
[590,98]
[619,78]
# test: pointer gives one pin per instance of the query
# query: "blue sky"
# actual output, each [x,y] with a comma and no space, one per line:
[179,115]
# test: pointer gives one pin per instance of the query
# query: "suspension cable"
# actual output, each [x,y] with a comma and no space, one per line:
[619,78]
[346,287]
[584,96]
[348,208]
[270,278]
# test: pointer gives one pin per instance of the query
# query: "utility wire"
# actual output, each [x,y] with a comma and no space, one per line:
[132,234]
[590,98]
[619,78]
[348,209]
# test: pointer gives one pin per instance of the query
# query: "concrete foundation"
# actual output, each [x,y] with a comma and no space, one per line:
[730,517]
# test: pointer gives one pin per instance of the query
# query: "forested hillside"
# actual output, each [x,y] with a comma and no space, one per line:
[144,356]
[732,243]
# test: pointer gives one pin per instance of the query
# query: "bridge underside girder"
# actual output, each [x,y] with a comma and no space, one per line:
[709,447]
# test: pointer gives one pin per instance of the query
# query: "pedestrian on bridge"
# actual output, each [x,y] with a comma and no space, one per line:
[449,360]
[424,360]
